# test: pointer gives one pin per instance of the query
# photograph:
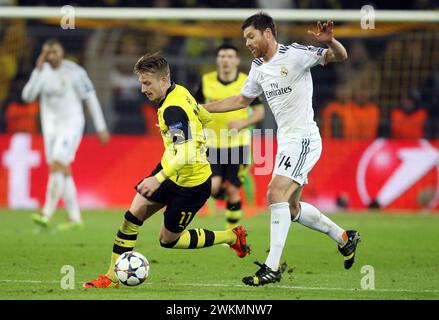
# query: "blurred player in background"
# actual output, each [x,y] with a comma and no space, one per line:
[283,74]
[62,86]
[181,182]
[228,136]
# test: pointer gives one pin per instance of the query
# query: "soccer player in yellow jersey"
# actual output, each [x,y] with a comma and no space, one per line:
[228,136]
[182,179]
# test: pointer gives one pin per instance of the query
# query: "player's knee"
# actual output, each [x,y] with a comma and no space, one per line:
[215,190]
[57,166]
[232,191]
[216,187]
[275,194]
[294,209]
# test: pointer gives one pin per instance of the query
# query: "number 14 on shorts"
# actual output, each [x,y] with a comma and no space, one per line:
[288,166]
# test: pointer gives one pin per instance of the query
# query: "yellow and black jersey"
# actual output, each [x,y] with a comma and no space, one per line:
[181,123]
[212,88]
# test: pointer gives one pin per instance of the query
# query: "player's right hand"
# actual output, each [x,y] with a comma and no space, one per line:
[148,186]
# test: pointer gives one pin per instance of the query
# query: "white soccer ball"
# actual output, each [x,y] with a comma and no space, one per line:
[131,268]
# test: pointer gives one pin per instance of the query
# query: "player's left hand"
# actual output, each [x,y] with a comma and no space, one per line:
[324,33]
[148,186]
[237,124]
[104,136]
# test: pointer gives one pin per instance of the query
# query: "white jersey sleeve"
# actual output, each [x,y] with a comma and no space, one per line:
[33,87]
[251,88]
[85,89]
[311,56]
[94,107]
[83,84]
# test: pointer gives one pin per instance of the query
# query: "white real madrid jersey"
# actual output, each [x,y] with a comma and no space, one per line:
[286,82]
[61,92]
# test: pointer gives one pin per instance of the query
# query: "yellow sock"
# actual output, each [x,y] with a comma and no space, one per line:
[201,238]
[125,241]
[110,273]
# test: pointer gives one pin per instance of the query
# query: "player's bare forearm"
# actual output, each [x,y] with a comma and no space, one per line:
[229,104]
[257,115]
[336,52]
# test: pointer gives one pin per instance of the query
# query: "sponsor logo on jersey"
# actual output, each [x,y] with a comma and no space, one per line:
[276,91]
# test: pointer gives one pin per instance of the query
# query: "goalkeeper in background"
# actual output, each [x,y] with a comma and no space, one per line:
[228,134]
[61,86]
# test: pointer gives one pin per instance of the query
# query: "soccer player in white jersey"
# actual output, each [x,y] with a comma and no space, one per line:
[282,73]
[61,86]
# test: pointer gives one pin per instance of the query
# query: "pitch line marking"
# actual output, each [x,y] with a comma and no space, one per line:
[244,286]
[312,288]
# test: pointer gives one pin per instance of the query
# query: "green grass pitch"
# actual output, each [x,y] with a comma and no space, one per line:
[402,249]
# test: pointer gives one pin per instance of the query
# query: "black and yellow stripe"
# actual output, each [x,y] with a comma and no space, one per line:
[127,235]
[200,238]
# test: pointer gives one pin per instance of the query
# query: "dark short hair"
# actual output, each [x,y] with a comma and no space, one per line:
[152,63]
[52,41]
[227,46]
[260,21]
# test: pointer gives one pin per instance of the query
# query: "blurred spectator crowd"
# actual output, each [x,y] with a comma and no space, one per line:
[389,86]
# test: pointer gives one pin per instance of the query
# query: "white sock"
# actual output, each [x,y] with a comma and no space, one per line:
[280,224]
[71,201]
[54,189]
[312,218]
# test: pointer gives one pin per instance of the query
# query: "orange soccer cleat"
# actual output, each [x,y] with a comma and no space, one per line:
[240,246]
[101,282]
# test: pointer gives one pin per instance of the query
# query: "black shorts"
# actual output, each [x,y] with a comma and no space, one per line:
[182,203]
[229,163]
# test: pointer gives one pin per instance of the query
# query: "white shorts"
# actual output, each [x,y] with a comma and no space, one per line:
[296,158]
[61,147]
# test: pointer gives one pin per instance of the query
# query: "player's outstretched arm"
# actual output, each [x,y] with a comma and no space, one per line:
[336,51]
[229,104]
[95,109]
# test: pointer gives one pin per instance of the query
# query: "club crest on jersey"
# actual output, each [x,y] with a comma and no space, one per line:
[283,71]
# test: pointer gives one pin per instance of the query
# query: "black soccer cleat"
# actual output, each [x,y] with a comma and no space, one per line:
[263,276]
[348,250]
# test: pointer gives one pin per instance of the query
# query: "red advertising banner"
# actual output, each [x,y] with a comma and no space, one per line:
[398,175]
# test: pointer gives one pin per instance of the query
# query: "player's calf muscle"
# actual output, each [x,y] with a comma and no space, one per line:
[143,208]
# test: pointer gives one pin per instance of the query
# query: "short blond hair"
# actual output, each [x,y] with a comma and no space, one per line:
[152,63]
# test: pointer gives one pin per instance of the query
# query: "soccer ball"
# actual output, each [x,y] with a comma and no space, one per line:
[131,268]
